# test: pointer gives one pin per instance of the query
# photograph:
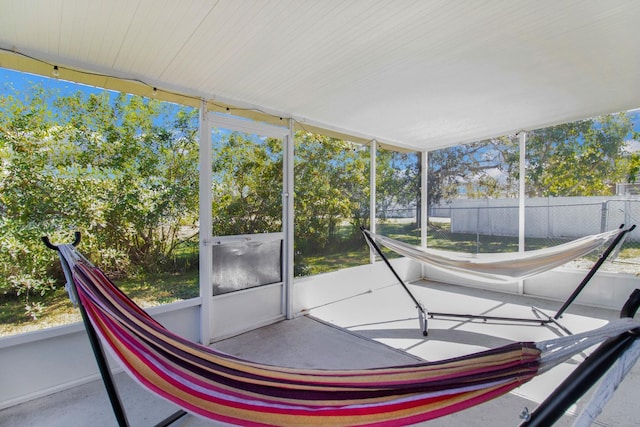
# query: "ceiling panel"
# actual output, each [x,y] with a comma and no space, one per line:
[419,74]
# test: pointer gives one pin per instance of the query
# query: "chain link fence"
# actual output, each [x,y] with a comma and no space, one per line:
[489,226]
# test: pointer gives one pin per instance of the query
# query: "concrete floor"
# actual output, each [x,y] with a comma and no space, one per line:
[379,328]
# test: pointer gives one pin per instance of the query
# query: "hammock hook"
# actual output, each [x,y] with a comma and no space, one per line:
[50,245]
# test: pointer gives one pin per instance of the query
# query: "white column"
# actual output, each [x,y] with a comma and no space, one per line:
[424,182]
[522,136]
[373,151]
[206,226]
[288,218]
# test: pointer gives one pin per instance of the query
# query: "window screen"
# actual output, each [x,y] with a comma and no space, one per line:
[246,264]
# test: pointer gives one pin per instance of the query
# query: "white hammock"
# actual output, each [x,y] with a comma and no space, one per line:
[498,267]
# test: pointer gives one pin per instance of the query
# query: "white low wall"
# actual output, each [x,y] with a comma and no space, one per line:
[39,363]
[36,364]
[604,290]
[314,291]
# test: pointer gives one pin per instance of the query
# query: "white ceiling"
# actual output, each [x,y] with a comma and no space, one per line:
[419,74]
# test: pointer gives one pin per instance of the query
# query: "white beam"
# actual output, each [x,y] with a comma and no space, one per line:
[424,212]
[522,137]
[206,226]
[372,192]
[288,217]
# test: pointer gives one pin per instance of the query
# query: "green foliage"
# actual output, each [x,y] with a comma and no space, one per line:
[579,158]
[470,166]
[632,168]
[397,180]
[247,184]
[331,186]
[123,170]
[583,158]
[112,167]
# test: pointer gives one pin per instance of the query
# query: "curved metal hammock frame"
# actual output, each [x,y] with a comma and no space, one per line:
[501,268]
[214,385]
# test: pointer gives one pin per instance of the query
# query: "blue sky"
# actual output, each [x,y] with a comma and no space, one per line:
[19,82]
[22,81]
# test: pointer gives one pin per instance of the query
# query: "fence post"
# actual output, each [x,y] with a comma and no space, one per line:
[603,216]
[478,230]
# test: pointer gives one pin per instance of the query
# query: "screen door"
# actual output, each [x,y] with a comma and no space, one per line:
[247,280]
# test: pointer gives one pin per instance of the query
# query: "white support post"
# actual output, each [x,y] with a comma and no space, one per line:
[373,149]
[288,218]
[206,226]
[522,136]
[424,211]
[424,182]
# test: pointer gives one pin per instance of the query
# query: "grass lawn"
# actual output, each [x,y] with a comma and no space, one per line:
[335,261]
[156,289]
[149,291]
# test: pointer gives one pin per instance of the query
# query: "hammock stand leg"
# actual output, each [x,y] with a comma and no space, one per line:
[171,418]
[101,360]
[586,374]
[593,270]
[550,319]
[541,322]
[422,313]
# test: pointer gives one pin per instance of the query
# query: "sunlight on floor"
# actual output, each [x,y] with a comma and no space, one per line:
[388,316]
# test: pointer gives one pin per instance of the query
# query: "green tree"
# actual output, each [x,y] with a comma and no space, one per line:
[24,130]
[582,158]
[470,166]
[113,168]
[247,185]
[331,187]
[397,180]
[142,155]
[578,159]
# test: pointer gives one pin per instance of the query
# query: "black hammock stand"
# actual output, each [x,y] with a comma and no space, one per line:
[101,359]
[424,315]
[549,411]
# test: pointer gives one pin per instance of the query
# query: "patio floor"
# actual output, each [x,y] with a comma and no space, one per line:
[377,328]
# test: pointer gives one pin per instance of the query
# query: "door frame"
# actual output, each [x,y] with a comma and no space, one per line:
[207,121]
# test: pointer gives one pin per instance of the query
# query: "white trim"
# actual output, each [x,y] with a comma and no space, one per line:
[245,291]
[71,328]
[522,136]
[174,306]
[260,237]
[33,336]
[372,193]
[424,212]
[206,225]
[288,219]
[237,124]
[247,309]
[247,126]
[51,390]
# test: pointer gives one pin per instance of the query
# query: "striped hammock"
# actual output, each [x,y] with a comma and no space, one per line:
[498,267]
[221,387]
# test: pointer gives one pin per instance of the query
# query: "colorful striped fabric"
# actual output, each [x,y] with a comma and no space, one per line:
[221,387]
